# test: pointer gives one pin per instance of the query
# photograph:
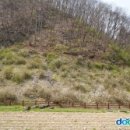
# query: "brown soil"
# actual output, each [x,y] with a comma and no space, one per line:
[61,121]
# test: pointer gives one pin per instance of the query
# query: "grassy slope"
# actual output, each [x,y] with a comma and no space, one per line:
[33,71]
[75,78]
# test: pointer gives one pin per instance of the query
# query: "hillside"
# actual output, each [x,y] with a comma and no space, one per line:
[61,59]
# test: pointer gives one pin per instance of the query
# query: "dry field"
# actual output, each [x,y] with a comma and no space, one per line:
[61,121]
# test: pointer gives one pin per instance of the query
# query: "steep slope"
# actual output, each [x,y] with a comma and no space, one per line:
[31,74]
[66,60]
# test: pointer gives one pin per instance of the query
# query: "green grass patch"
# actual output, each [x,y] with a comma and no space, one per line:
[58,109]
[19,108]
[16,108]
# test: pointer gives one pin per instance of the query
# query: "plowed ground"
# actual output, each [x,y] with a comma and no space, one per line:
[61,121]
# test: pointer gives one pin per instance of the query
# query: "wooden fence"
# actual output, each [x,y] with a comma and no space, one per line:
[73,105]
[80,105]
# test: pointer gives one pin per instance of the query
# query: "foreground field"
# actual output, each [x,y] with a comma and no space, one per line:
[60,121]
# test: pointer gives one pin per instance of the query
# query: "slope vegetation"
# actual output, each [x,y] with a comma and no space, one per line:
[66,60]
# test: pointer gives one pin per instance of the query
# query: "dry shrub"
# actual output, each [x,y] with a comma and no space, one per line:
[8,73]
[38,92]
[99,94]
[21,76]
[32,93]
[120,96]
[36,63]
[80,61]
[16,75]
[46,94]
[42,74]
[80,87]
[56,64]
[66,95]
[20,61]
[7,95]
[23,53]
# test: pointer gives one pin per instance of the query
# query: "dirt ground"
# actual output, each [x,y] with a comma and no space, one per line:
[61,121]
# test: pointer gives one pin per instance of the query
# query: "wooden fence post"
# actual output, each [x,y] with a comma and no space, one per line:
[129,106]
[80,105]
[108,106]
[10,103]
[48,103]
[85,105]
[97,105]
[35,102]
[119,106]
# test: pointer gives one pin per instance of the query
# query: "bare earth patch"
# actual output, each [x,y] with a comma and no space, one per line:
[61,121]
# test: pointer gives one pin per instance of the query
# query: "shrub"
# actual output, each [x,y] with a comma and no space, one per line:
[64,74]
[46,94]
[80,60]
[112,67]
[14,49]
[99,94]
[5,53]
[96,65]
[69,96]
[9,61]
[120,96]
[80,87]
[44,66]
[65,95]
[20,61]
[100,66]
[16,75]
[20,76]
[24,53]
[36,63]
[56,64]
[60,48]
[33,52]
[2,79]
[56,95]
[42,75]
[32,93]
[9,57]
[50,57]
[119,55]
[6,95]
[93,32]
[8,73]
